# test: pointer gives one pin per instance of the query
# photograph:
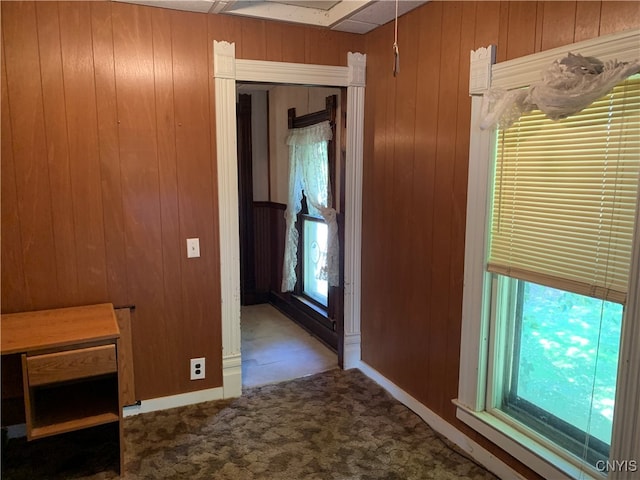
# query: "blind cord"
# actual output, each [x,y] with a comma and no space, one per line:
[396,52]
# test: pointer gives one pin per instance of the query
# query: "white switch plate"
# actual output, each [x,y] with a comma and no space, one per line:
[193,247]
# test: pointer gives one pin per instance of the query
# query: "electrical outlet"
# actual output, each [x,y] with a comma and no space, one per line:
[197,368]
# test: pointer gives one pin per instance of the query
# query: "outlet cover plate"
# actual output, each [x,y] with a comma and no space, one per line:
[197,368]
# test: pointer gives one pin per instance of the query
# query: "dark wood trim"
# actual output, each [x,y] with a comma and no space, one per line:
[328,114]
[317,325]
[245,194]
[337,293]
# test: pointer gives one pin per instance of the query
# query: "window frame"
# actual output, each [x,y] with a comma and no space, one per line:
[521,410]
[475,367]
[299,288]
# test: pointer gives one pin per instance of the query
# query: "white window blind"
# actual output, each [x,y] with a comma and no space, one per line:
[565,195]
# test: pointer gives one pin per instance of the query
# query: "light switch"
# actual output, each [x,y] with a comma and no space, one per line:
[193,247]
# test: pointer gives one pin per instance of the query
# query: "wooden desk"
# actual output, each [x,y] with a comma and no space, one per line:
[70,368]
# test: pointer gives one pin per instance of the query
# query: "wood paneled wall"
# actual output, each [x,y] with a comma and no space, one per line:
[108,165]
[415,175]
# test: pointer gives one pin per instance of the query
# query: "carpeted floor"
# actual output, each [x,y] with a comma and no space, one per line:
[332,425]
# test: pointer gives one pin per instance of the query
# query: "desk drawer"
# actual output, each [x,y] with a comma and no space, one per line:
[71,364]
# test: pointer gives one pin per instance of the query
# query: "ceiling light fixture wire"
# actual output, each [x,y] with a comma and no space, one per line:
[396,52]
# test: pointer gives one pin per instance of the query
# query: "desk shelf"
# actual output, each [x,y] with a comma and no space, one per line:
[65,407]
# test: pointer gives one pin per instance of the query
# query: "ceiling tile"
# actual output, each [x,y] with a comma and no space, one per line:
[353,26]
[353,16]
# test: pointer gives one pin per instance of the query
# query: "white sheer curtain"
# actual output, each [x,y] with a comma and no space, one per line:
[568,86]
[309,172]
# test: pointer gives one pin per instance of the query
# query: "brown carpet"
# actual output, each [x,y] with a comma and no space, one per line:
[333,425]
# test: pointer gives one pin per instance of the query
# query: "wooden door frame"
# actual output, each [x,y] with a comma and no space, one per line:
[226,71]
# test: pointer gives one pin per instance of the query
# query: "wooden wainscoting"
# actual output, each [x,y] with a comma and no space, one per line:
[268,221]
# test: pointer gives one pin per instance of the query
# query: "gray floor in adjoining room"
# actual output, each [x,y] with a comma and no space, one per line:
[275,349]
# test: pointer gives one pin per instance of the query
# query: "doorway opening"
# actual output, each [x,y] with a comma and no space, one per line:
[226,71]
[284,335]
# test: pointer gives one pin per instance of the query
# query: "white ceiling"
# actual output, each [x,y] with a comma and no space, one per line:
[355,16]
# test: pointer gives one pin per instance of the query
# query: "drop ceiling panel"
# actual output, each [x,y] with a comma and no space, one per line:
[318,5]
[382,12]
[353,26]
[200,6]
[354,16]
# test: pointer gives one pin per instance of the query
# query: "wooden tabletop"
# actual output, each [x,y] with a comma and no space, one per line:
[29,331]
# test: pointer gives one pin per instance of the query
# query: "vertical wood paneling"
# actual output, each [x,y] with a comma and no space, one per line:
[84,159]
[444,172]
[228,29]
[558,22]
[13,285]
[323,47]
[285,43]
[253,40]
[293,45]
[587,20]
[168,186]
[108,144]
[388,235]
[487,25]
[273,43]
[57,150]
[372,273]
[262,246]
[423,183]
[196,200]
[521,37]
[278,230]
[403,135]
[24,88]
[616,16]
[387,209]
[537,44]
[503,32]
[133,51]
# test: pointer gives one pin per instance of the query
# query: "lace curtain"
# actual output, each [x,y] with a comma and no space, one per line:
[309,172]
[568,86]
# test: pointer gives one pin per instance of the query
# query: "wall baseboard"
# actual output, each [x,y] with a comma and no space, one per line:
[473,449]
[172,401]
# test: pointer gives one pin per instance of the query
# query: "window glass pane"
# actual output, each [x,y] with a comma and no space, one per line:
[315,252]
[564,366]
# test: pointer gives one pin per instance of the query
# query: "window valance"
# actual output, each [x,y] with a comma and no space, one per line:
[568,86]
